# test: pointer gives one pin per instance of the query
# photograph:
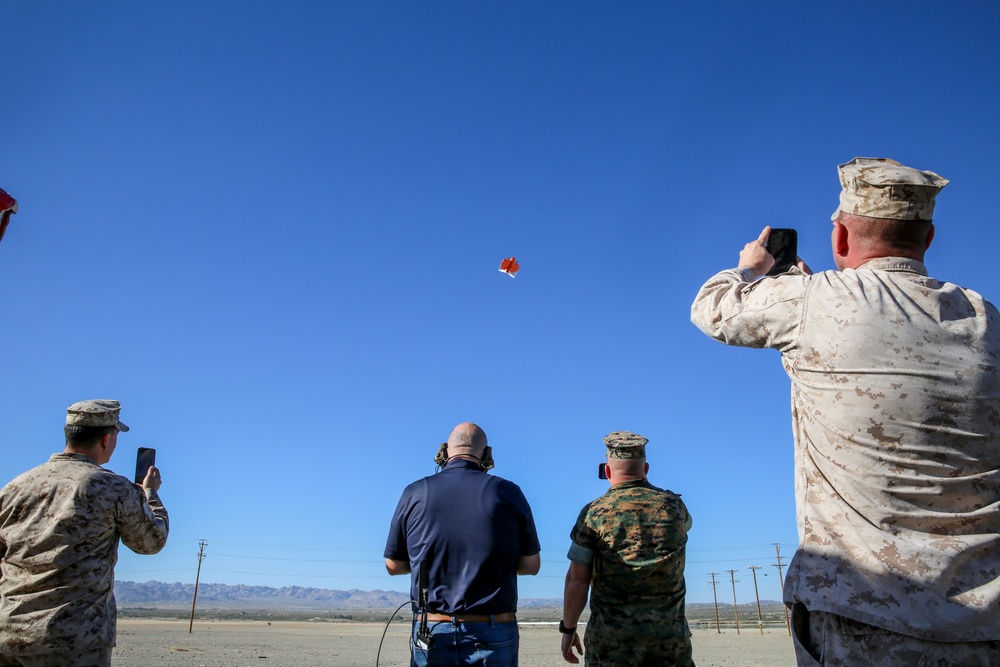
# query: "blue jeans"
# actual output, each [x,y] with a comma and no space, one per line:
[466,644]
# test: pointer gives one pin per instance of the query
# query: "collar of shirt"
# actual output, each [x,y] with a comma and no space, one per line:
[895,264]
[64,456]
[463,463]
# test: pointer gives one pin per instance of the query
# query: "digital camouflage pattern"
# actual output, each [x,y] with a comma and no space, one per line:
[896,424]
[877,187]
[625,445]
[638,534]
[59,529]
[88,658]
[100,412]
[821,638]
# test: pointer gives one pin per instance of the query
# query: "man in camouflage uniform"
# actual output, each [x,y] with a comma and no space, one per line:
[896,421]
[628,546]
[59,529]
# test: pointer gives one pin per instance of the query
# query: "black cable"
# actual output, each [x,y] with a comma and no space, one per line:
[386,629]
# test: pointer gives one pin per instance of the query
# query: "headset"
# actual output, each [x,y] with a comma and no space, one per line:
[441,458]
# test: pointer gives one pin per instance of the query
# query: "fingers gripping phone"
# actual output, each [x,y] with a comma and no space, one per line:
[144,458]
[783,246]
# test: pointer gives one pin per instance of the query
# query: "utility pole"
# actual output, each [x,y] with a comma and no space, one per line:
[781,580]
[760,619]
[736,611]
[716,601]
[201,556]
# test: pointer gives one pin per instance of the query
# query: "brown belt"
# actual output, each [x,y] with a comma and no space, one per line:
[505,617]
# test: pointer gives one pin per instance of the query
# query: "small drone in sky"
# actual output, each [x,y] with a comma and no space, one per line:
[8,207]
[510,266]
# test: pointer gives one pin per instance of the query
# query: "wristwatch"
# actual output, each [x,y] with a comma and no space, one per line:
[566,631]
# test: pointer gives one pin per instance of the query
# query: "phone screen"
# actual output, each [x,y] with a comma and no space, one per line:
[783,246]
[144,458]
[602,472]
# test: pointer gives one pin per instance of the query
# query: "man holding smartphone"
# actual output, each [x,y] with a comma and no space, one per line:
[60,524]
[896,422]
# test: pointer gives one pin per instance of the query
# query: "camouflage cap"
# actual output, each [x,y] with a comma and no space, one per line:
[877,187]
[625,445]
[100,412]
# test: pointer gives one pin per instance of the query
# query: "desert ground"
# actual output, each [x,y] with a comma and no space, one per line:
[258,643]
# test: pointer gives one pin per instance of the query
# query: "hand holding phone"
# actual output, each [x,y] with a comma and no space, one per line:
[782,244]
[144,459]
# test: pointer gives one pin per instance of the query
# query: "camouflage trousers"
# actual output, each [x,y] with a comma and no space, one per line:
[100,657]
[621,651]
[822,638]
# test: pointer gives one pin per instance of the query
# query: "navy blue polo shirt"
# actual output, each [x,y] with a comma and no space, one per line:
[473,527]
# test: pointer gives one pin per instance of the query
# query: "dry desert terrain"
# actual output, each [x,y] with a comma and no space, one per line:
[258,643]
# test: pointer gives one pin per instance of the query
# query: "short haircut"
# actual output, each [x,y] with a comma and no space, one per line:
[86,436]
[908,235]
[633,467]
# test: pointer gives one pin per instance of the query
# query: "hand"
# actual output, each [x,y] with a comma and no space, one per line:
[569,642]
[152,480]
[755,255]
[803,266]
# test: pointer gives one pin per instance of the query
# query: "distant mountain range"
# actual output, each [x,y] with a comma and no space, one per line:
[163,595]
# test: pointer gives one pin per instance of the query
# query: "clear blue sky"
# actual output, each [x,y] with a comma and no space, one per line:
[272,230]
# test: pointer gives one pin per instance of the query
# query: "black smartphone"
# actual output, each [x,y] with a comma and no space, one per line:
[144,458]
[602,472]
[783,246]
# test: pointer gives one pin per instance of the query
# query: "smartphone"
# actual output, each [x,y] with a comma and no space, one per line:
[144,458]
[602,472]
[783,246]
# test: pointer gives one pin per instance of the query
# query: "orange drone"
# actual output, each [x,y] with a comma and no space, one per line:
[510,267]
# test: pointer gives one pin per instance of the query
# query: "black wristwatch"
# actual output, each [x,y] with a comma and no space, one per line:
[566,631]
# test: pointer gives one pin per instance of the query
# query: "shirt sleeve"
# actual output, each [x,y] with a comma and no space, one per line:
[766,313]
[142,520]
[395,544]
[530,544]
[581,555]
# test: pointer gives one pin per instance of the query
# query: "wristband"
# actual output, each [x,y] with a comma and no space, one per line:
[566,631]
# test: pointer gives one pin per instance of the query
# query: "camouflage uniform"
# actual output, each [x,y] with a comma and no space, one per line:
[896,424]
[637,533]
[59,529]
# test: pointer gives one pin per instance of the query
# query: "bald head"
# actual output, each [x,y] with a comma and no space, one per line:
[467,439]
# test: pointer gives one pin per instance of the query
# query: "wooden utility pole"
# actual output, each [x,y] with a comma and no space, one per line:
[736,611]
[781,580]
[760,619]
[201,556]
[716,601]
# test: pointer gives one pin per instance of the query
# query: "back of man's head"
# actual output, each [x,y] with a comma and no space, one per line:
[85,437]
[467,439]
[887,237]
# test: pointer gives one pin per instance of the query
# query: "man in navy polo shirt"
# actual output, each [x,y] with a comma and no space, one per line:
[471,533]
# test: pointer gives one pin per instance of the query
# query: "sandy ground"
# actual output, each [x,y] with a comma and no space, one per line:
[142,643]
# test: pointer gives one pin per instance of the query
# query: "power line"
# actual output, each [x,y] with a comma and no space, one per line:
[736,610]
[201,556]
[715,600]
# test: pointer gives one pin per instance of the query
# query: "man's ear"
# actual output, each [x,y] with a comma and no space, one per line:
[930,237]
[841,242]
[646,470]
[105,439]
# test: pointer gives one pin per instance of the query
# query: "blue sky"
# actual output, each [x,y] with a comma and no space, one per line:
[272,230]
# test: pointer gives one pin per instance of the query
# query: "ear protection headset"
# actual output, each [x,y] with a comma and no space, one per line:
[442,458]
